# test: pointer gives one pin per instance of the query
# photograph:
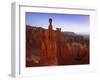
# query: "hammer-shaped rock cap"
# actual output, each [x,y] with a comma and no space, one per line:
[50,20]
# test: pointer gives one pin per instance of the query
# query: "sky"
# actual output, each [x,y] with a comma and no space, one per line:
[77,23]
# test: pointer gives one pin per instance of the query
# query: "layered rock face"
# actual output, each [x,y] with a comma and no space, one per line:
[47,47]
